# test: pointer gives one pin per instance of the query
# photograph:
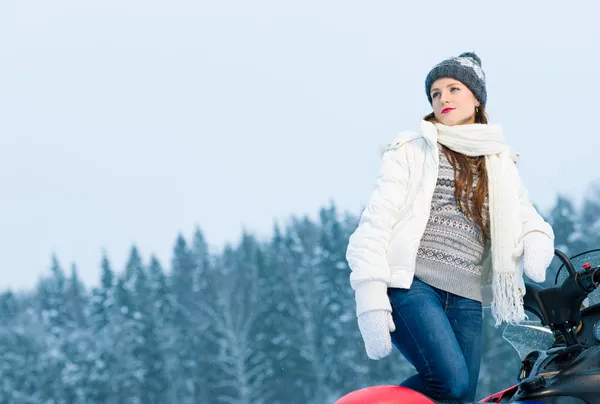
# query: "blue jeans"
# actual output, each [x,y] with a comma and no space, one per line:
[440,334]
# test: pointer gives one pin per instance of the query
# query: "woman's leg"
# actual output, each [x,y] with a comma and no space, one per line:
[426,338]
[465,316]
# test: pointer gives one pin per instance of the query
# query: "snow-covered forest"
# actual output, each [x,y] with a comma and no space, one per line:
[262,321]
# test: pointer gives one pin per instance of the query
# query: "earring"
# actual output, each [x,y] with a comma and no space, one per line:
[477,109]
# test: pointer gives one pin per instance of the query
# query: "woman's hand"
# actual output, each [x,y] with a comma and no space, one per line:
[375,328]
[538,251]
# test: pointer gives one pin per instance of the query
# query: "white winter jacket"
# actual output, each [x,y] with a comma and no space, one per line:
[383,249]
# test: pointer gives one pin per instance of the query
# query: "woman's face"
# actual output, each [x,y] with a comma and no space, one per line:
[453,103]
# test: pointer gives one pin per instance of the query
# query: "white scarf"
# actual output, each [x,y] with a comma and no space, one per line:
[487,140]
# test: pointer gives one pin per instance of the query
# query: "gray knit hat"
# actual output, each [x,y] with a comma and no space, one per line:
[465,68]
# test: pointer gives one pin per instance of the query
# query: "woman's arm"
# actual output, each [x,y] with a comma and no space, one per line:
[367,248]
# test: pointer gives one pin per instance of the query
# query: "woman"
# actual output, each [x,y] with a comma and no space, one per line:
[448,228]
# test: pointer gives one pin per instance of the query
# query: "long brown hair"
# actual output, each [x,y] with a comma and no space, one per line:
[465,170]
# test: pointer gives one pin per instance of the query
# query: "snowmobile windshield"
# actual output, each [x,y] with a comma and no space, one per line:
[528,336]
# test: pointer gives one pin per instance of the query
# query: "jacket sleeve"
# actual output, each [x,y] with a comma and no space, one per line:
[367,248]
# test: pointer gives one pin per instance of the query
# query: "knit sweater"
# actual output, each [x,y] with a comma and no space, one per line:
[451,249]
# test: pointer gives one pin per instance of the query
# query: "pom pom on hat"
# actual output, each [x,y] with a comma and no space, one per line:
[471,55]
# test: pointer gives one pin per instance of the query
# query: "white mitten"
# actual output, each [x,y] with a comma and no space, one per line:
[375,327]
[538,251]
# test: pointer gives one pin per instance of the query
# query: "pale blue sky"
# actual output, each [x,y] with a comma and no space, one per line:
[129,121]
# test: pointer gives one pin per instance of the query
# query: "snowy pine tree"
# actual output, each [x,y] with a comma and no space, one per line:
[103,321]
[590,217]
[203,293]
[564,221]
[236,314]
[185,344]
[290,373]
[309,290]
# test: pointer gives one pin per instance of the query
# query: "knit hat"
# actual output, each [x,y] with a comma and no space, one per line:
[465,68]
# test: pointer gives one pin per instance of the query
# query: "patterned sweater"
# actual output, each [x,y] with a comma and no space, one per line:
[451,250]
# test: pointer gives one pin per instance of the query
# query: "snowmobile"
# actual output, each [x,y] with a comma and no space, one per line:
[559,349]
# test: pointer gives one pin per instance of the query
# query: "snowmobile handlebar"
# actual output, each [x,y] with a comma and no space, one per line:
[560,306]
[579,282]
